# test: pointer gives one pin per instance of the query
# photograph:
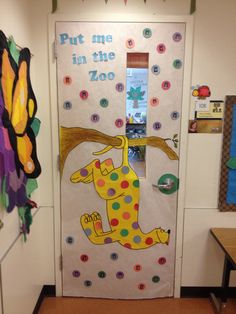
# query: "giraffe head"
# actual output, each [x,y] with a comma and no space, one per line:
[163,236]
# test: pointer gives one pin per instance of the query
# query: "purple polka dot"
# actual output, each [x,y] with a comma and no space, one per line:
[135,225]
[119,275]
[76,273]
[111,192]
[108,240]
[84,172]
[128,199]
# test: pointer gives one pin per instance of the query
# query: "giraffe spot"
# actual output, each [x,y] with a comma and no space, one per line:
[114,176]
[108,240]
[114,222]
[124,184]
[136,183]
[100,182]
[98,225]
[137,239]
[135,225]
[136,206]
[88,232]
[116,206]
[128,199]
[124,232]
[125,170]
[149,241]
[111,192]
[128,245]
[126,215]
[84,172]
[108,162]
[97,164]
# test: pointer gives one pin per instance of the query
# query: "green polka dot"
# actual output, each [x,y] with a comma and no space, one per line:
[136,183]
[116,206]
[124,232]
[114,176]
[155,279]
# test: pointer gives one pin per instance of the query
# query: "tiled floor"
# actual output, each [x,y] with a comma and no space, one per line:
[157,306]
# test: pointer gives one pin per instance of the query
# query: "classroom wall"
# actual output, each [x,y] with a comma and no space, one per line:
[213,64]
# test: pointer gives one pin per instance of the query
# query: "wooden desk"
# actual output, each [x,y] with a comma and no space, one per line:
[226,238]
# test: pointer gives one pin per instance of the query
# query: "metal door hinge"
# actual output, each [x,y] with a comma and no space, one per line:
[61,262]
[58,162]
[54,49]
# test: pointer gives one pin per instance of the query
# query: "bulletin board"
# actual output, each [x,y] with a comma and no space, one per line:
[227,191]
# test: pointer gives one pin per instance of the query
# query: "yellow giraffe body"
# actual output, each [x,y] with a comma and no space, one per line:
[120,188]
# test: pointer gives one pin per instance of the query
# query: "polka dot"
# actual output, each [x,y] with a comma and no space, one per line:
[161,48]
[116,206]
[84,258]
[128,199]
[125,170]
[156,70]
[155,279]
[177,64]
[88,232]
[137,239]
[154,101]
[108,240]
[120,275]
[162,260]
[119,87]
[119,123]
[136,183]
[124,184]
[174,115]
[102,274]
[84,172]
[114,222]
[135,225]
[104,103]
[83,94]
[136,206]
[114,176]
[95,117]
[108,162]
[156,125]
[88,283]
[97,164]
[76,273]
[149,241]
[114,256]
[100,182]
[67,105]
[67,80]
[126,215]
[111,192]
[137,268]
[147,33]
[128,245]
[141,286]
[124,232]
[165,85]
[177,37]
[69,240]
[130,43]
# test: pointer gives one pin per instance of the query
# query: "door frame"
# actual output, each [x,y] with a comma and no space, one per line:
[188,20]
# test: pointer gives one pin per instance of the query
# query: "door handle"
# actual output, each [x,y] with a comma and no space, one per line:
[167,185]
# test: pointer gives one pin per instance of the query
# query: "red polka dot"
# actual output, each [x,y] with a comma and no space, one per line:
[114,222]
[149,241]
[100,182]
[162,260]
[136,206]
[141,286]
[97,164]
[127,245]
[124,184]
[137,267]
[84,258]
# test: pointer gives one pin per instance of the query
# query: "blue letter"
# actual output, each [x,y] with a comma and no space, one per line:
[63,38]
[93,75]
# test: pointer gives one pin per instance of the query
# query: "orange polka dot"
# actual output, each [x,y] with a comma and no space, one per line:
[108,162]
[98,225]
[100,182]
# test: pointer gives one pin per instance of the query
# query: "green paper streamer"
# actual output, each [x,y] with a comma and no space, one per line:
[15,52]
[31,185]
[231,163]
[35,126]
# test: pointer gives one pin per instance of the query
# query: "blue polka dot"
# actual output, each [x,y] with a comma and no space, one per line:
[88,232]
[137,239]
[125,170]
[128,199]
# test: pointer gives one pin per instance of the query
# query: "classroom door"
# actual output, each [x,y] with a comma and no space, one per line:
[119,103]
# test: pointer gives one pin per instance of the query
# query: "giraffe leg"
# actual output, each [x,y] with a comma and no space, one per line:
[87,224]
[97,222]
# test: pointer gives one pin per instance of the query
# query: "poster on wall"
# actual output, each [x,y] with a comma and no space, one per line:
[119,224]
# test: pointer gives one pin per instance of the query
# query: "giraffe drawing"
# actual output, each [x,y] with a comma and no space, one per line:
[119,187]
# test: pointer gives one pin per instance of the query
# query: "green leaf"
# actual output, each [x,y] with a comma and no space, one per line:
[35,126]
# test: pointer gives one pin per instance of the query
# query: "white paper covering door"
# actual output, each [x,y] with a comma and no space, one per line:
[118,230]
